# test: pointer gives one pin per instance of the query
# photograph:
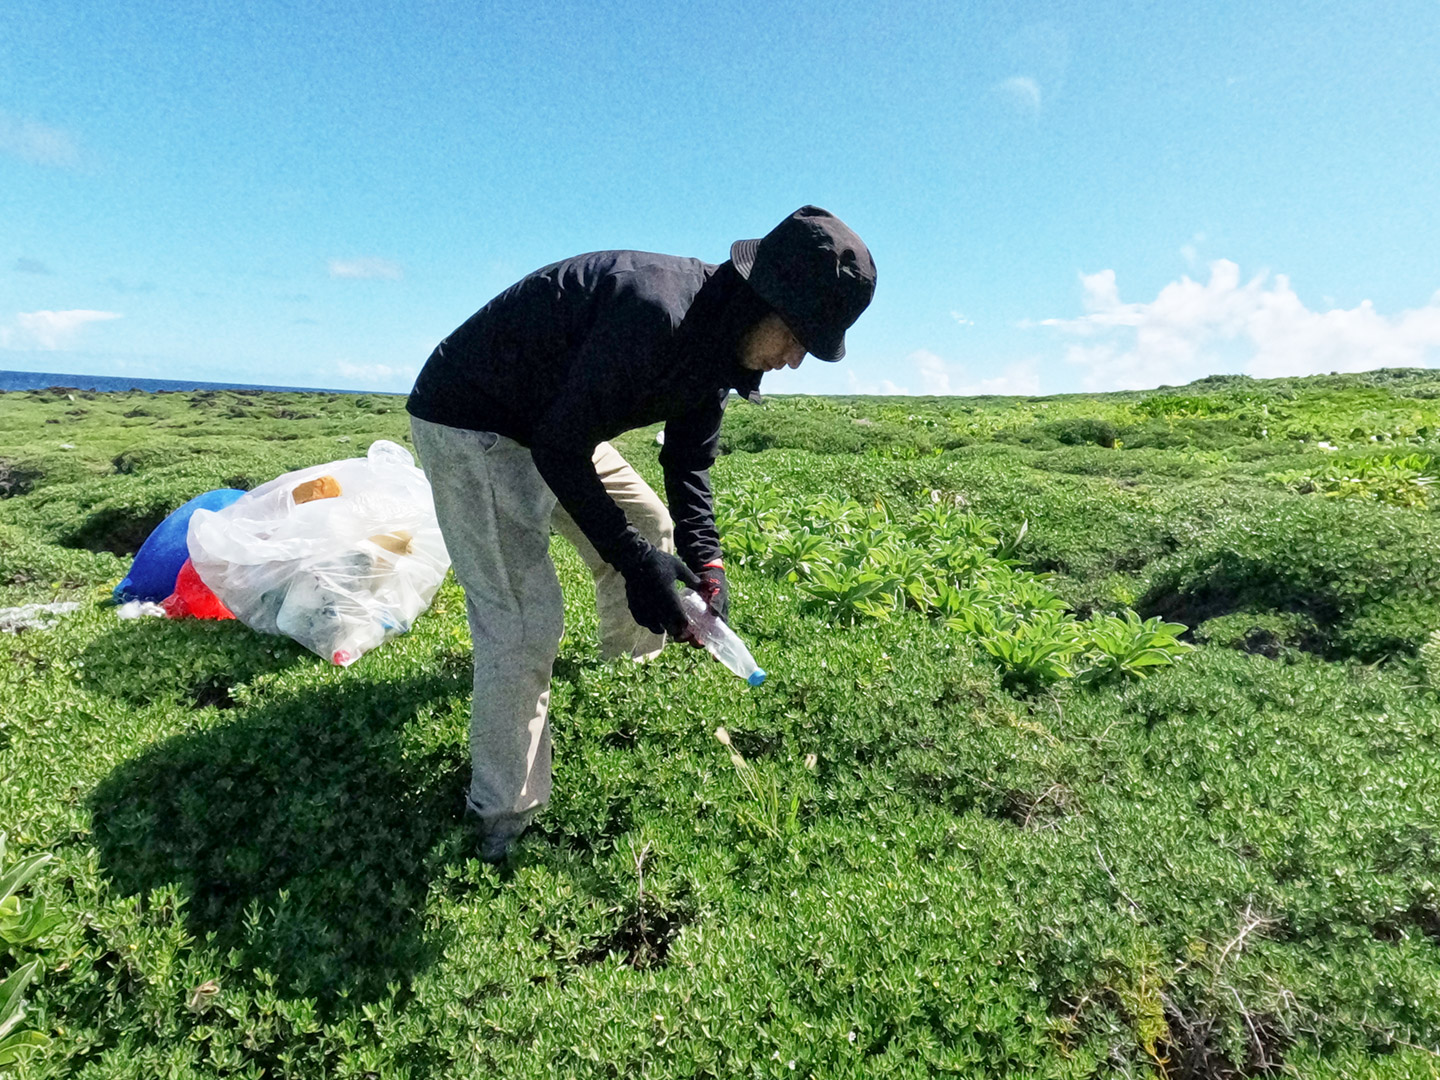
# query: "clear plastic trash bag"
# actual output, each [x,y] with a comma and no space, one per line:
[337,556]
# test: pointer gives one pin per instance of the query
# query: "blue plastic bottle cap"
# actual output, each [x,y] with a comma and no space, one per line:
[756,677]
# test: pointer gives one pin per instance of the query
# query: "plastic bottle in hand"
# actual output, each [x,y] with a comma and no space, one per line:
[719,640]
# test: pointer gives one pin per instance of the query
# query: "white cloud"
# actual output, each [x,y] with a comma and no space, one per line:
[369,268]
[36,143]
[1015,380]
[959,317]
[49,330]
[884,387]
[934,376]
[1021,91]
[1259,327]
[376,373]
[940,378]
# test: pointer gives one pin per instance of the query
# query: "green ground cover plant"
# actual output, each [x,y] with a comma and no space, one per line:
[1089,749]
[1400,480]
[858,562]
[23,924]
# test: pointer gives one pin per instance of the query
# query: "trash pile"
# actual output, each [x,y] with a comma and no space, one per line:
[338,557]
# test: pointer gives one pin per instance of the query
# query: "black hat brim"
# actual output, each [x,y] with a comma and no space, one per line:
[829,351]
[742,254]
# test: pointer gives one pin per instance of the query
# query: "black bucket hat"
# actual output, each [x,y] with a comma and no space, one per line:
[815,273]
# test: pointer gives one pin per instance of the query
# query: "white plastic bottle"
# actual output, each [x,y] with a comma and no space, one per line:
[719,640]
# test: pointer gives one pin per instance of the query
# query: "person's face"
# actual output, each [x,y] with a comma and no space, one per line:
[769,345]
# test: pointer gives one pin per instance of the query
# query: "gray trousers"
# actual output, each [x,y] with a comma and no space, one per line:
[496,514]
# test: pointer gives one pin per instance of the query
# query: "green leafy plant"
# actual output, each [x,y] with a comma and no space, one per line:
[22,923]
[1225,868]
[16,1043]
[1120,646]
[1395,480]
[849,594]
[796,555]
[856,563]
[1033,652]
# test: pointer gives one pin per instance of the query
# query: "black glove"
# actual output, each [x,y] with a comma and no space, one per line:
[650,591]
[716,590]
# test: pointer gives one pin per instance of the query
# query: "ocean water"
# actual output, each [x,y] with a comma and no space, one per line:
[42,380]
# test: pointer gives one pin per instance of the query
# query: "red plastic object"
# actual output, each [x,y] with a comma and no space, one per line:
[193,599]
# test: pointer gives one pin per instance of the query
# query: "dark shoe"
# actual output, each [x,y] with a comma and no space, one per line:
[495,844]
[498,832]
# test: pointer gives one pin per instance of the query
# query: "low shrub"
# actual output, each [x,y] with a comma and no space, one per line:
[17,477]
[1141,465]
[1367,577]
[1272,635]
[1029,436]
[121,521]
[1080,431]
[1174,406]
[22,475]
[1430,660]
[1396,480]
[758,430]
[749,429]
[1190,433]
[171,454]
[1224,869]
[31,569]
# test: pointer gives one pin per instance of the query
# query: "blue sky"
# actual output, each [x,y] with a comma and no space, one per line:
[1058,197]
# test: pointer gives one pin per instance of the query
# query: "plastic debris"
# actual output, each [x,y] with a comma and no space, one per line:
[719,640]
[339,556]
[34,616]
[322,487]
[192,598]
[140,609]
[157,564]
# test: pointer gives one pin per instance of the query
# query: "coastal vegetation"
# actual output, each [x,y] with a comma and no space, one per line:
[1100,740]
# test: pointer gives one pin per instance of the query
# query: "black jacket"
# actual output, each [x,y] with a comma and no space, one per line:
[582,350]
